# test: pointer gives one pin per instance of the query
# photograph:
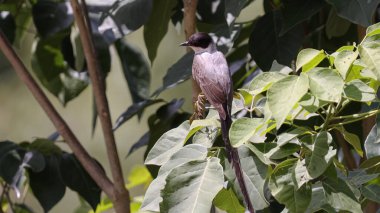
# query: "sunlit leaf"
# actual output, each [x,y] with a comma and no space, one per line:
[243,129]
[263,82]
[203,176]
[309,58]
[284,94]
[357,90]
[226,200]
[344,60]
[326,84]
[370,55]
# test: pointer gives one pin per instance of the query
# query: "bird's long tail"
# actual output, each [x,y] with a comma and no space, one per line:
[233,158]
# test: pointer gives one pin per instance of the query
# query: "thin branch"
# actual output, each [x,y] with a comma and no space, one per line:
[85,159]
[101,105]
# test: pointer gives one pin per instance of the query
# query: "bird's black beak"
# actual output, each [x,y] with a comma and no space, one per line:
[185,44]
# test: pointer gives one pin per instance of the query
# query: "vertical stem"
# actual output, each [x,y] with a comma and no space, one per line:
[121,199]
[189,22]
[64,130]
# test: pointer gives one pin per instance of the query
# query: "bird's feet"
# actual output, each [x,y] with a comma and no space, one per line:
[199,108]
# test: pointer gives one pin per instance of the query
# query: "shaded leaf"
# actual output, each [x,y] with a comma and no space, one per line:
[226,200]
[133,110]
[47,185]
[321,155]
[211,12]
[356,11]
[336,26]
[279,152]
[283,188]
[51,17]
[357,90]
[284,94]
[203,176]
[45,147]
[157,26]
[266,44]
[371,192]
[294,12]
[76,178]
[310,103]
[372,142]
[326,84]
[136,70]
[177,73]
[143,141]
[352,139]
[339,195]
[233,9]
[8,25]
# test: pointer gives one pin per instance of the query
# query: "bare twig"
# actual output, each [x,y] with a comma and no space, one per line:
[85,159]
[121,199]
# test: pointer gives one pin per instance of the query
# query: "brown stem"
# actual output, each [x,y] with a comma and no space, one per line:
[189,21]
[64,130]
[121,199]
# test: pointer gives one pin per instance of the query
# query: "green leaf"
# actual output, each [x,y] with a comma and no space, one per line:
[357,90]
[136,70]
[301,176]
[226,200]
[309,58]
[77,179]
[139,175]
[168,144]
[356,11]
[284,190]
[45,147]
[373,30]
[339,195]
[352,139]
[310,103]
[335,25]
[371,192]
[285,137]
[266,44]
[47,185]
[157,26]
[296,11]
[263,81]
[284,94]
[372,165]
[372,142]
[321,155]
[177,73]
[370,55]
[186,154]
[326,84]
[344,60]
[243,129]
[280,152]
[260,149]
[203,176]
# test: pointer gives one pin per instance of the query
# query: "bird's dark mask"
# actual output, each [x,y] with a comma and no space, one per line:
[200,39]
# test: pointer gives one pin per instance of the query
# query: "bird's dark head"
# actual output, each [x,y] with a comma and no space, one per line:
[198,40]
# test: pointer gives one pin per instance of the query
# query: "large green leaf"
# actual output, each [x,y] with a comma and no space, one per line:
[243,129]
[205,178]
[285,137]
[372,142]
[136,70]
[326,84]
[284,94]
[157,26]
[301,176]
[279,152]
[309,58]
[371,192]
[357,11]
[336,26]
[186,154]
[357,90]
[321,155]
[266,44]
[263,82]
[233,9]
[168,144]
[340,196]
[294,12]
[373,30]
[284,190]
[226,200]
[370,55]
[344,60]
[310,103]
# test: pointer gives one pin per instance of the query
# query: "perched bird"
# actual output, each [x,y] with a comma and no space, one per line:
[210,71]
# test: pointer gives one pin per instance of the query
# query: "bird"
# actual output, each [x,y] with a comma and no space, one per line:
[211,73]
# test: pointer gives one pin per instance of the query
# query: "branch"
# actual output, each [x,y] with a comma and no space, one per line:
[122,195]
[64,130]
